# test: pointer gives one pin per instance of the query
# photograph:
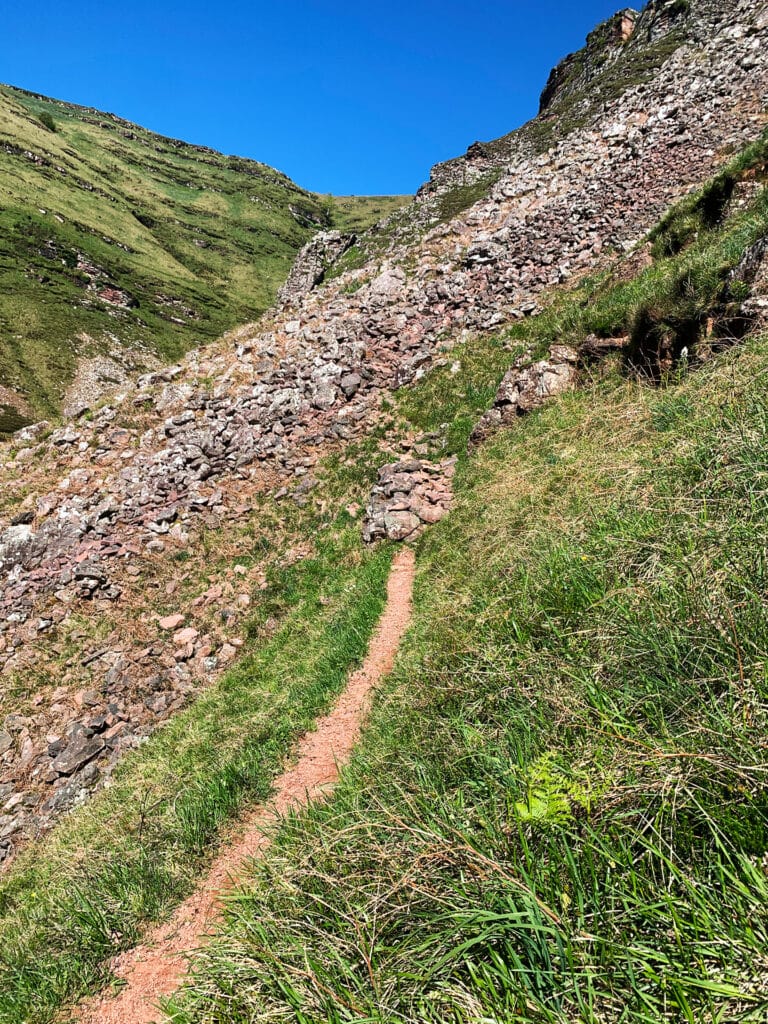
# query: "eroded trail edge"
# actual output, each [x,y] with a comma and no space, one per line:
[156,968]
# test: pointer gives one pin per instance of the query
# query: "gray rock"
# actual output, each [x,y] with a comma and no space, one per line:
[408,496]
[79,751]
[350,384]
[399,525]
[527,387]
[10,823]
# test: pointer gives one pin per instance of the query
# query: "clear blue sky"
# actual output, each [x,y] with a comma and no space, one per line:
[345,97]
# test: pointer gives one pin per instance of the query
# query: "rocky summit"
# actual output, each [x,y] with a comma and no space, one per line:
[96,506]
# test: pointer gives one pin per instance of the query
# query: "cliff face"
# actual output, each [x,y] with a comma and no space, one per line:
[624,53]
[99,509]
[604,44]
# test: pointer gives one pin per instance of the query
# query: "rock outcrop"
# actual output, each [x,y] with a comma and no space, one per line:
[577,70]
[407,497]
[752,275]
[527,386]
[313,262]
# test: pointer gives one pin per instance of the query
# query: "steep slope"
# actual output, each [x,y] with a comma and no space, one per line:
[216,508]
[120,247]
[560,810]
[104,505]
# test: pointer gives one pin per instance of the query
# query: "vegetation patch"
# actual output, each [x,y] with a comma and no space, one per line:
[134,850]
[460,198]
[560,809]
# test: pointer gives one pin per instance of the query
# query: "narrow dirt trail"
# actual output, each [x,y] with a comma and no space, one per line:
[157,967]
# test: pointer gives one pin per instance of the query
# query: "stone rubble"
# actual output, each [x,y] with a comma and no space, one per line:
[407,497]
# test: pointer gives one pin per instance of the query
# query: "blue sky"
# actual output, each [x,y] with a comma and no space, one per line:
[345,97]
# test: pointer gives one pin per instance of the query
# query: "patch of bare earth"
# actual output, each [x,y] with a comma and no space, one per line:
[156,968]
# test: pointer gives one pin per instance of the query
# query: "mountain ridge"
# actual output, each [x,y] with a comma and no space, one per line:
[122,248]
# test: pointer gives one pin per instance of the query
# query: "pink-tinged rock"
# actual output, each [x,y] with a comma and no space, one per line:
[185,636]
[118,729]
[227,653]
[171,622]
[87,699]
[430,513]
[400,525]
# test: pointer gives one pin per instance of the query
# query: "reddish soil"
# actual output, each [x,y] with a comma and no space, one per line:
[156,968]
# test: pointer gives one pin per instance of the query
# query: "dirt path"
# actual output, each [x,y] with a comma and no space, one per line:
[156,968]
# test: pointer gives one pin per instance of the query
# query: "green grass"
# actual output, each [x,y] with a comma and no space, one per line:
[560,809]
[134,850]
[352,214]
[451,399]
[454,201]
[200,241]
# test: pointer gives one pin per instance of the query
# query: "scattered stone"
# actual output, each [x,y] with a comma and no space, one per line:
[171,622]
[185,636]
[81,749]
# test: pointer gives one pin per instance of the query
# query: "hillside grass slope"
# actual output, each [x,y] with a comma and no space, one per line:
[116,241]
[559,810]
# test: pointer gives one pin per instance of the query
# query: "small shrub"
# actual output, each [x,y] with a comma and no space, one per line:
[47,121]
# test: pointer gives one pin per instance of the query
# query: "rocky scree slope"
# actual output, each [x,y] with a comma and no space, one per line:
[97,507]
[120,249]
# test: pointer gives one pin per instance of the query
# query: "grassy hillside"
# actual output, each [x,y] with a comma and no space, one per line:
[560,809]
[357,213]
[114,240]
